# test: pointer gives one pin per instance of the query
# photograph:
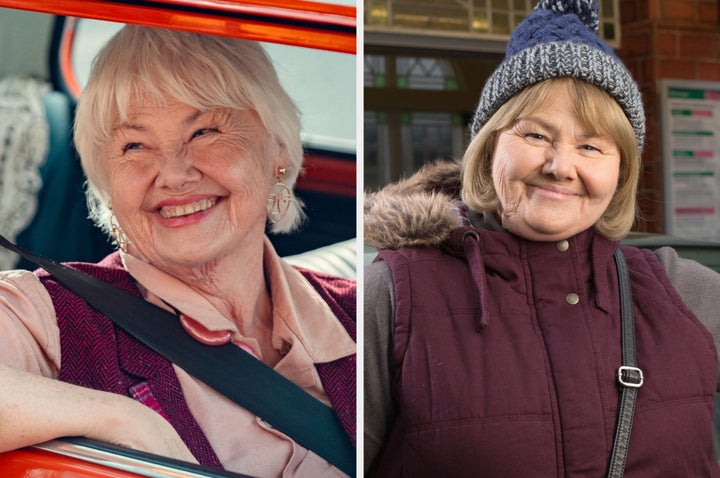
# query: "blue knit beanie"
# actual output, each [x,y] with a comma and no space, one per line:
[559,39]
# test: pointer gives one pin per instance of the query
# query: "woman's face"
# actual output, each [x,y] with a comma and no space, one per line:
[553,178]
[189,187]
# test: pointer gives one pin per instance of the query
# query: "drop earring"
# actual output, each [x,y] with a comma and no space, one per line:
[279,199]
[117,233]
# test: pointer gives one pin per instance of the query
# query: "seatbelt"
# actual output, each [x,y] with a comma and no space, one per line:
[227,368]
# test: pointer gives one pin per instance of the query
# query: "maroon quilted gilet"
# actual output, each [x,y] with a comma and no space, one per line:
[496,373]
[99,355]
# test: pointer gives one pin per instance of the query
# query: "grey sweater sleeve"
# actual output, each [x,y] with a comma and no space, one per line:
[698,286]
[378,318]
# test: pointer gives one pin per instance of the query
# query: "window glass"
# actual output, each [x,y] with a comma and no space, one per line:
[494,19]
[424,73]
[322,83]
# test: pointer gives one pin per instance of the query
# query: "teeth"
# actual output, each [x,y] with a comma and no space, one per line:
[174,211]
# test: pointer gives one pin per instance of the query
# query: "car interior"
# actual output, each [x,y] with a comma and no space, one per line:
[52,221]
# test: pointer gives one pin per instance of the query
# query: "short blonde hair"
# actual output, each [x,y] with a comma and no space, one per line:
[202,71]
[598,111]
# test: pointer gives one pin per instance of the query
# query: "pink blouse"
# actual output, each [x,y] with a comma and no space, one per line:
[305,331]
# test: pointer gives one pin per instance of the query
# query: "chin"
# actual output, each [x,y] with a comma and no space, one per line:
[189,255]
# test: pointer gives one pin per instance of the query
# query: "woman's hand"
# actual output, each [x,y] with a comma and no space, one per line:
[35,409]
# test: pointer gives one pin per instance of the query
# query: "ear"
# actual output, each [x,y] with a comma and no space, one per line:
[276,155]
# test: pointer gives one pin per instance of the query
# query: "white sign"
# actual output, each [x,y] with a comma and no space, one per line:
[691,157]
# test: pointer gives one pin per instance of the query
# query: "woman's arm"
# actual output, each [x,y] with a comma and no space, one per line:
[34,409]
[378,317]
[698,286]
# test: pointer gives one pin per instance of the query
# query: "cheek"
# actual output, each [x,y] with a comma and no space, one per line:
[240,172]
[603,182]
[505,180]
[127,182]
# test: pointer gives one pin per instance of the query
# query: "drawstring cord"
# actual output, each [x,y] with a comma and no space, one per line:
[471,246]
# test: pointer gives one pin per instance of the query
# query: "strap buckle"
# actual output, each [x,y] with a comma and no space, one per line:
[631,377]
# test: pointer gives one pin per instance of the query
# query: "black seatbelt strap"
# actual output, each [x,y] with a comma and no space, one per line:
[630,377]
[227,368]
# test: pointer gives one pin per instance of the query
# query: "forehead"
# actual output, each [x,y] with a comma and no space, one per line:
[137,110]
[589,107]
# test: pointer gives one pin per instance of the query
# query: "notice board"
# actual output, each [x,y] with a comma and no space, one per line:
[690,123]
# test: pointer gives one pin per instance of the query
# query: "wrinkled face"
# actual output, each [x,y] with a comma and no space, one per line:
[553,178]
[189,187]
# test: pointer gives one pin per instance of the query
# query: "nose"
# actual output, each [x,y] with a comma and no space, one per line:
[177,171]
[560,162]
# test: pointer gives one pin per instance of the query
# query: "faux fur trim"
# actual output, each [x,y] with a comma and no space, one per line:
[420,211]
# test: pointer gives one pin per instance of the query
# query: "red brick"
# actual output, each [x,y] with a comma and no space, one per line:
[666,43]
[648,96]
[634,67]
[709,12]
[708,71]
[629,11]
[650,9]
[698,45]
[647,71]
[675,68]
[632,11]
[680,11]
[636,43]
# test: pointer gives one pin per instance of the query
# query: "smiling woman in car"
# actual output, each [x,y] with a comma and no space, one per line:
[191,148]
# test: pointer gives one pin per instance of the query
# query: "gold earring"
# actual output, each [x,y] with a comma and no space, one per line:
[117,233]
[279,199]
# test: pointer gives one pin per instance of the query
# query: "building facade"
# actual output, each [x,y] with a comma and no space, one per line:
[425,63]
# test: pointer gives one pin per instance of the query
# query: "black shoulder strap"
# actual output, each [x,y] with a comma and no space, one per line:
[226,368]
[629,376]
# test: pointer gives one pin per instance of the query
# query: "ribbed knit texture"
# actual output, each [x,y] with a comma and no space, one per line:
[559,39]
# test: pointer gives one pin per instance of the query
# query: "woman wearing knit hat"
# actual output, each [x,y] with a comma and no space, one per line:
[508,333]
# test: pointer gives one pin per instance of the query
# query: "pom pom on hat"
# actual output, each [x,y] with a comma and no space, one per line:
[559,39]
[585,10]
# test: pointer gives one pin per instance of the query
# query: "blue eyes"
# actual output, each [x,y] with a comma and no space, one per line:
[204,131]
[196,134]
[131,146]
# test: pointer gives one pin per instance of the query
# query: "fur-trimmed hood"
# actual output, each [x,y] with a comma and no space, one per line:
[419,211]
[425,211]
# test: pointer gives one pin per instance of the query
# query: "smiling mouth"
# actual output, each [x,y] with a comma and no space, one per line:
[554,191]
[168,212]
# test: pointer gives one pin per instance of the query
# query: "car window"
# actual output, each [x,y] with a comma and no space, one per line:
[322,83]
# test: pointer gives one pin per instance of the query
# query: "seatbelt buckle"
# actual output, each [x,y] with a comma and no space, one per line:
[631,377]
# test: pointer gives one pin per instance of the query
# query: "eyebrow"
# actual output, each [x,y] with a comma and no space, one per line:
[542,123]
[553,130]
[188,120]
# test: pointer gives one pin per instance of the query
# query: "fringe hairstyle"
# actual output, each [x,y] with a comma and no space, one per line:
[598,112]
[203,71]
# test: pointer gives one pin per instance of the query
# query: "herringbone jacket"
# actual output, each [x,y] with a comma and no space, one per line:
[99,355]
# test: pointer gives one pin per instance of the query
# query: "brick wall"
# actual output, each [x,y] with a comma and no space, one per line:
[677,39]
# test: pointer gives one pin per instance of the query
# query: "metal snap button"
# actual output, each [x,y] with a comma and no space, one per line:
[572,298]
[562,246]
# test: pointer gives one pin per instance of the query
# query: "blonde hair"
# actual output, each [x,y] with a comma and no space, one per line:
[598,112]
[202,71]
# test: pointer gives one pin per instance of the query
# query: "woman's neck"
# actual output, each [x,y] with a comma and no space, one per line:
[236,285]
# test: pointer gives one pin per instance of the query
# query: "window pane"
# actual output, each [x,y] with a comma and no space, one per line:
[475,18]
[423,73]
[322,83]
